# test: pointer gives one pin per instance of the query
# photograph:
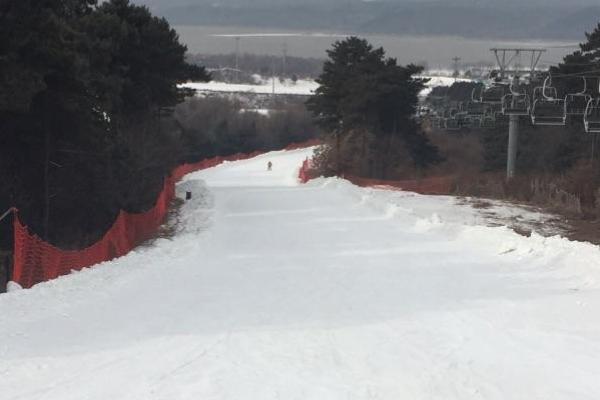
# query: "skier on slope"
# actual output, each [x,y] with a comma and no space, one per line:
[269,166]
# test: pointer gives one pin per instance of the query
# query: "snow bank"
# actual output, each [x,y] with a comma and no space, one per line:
[13,287]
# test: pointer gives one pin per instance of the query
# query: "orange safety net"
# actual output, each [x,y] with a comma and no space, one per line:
[304,174]
[37,261]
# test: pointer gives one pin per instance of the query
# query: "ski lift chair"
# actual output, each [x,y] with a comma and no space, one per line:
[476,93]
[488,123]
[475,109]
[538,92]
[576,103]
[515,103]
[488,120]
[591,118]
[493,94]
[463,119]
[469,122]
[451,124]
[476,121]
[547,110]
[494,109]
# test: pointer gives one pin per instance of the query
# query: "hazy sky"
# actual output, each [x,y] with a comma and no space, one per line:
[494,3]
[443,28]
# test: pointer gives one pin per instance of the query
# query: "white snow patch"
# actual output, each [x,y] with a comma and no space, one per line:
[266,86]
[262,111]
[306,87]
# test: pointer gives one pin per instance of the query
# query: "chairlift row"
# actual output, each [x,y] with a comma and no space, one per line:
[455,120]
[546,109]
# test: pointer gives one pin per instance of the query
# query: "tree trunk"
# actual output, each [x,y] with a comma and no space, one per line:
[337,154]
[46,182]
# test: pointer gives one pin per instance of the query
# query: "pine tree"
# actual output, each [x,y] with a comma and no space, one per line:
[584,62]
[363,91]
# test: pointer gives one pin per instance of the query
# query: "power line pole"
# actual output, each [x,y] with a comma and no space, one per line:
[237,59]
[284,59]
[273,76]
[456,70]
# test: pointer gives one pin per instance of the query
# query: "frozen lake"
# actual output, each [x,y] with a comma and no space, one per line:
[436,51]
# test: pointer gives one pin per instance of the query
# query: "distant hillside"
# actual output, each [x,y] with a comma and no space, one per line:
[510,19]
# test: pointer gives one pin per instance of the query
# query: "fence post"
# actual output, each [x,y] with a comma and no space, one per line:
[5,258]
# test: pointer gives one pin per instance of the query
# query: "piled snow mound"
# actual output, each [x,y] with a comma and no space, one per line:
[470,227]
[13,287]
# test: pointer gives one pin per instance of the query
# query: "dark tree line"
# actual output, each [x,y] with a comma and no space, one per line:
[219,126]
[84,129]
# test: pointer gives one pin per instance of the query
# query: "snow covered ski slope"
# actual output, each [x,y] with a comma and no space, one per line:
[323,291]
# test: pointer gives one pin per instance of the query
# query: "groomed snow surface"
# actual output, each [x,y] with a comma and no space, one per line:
[271,290]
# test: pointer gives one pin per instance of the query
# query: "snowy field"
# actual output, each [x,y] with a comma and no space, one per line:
[303,87]
[272,290]
[264,86]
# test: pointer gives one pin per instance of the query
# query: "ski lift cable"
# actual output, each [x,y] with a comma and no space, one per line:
[564,46]
[547,61]
[586,74]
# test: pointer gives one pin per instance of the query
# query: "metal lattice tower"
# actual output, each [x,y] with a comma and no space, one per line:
[505,57]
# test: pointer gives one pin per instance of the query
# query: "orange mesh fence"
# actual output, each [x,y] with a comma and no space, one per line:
[303,174]
[37,261]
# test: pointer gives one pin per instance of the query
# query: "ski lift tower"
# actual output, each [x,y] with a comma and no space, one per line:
[506,59]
